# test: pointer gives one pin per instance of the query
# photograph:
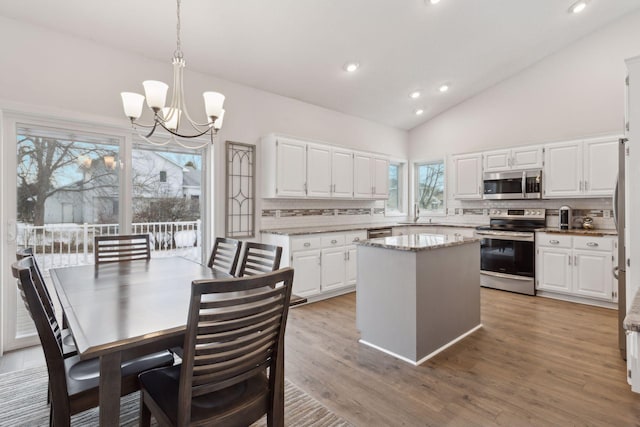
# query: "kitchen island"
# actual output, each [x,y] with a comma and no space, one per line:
[417,294]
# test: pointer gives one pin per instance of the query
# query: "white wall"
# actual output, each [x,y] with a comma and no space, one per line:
[579,91]
[44,71]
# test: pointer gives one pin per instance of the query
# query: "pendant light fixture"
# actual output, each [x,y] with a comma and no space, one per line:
[175,118]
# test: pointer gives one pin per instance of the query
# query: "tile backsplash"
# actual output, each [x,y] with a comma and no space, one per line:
[303,213]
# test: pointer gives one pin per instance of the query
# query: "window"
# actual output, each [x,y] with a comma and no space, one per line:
[430,189]
[395,202]
[163,176]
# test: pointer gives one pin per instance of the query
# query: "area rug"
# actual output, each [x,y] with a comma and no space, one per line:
[23,402]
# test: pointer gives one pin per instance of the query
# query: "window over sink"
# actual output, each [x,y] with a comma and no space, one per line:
[430,194]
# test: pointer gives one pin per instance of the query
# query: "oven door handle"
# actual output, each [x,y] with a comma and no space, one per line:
[507,276]
[524,184]
[521,237]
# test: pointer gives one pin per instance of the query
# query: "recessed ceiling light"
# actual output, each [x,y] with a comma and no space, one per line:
[419,112]
[434,1]
[444,88]
[350,67]
[578,6]
[415,94]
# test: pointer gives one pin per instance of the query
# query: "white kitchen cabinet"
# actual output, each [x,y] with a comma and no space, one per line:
[562,173]
[577,266]
[307,272]
[467,176]
[515,158]
[290,168]
[319,171]
[325,264]
[342,173]
[299,169]
[585,168]
[370,176]
[362,187]
[600,166]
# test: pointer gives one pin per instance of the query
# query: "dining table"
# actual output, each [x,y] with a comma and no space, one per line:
[122,310]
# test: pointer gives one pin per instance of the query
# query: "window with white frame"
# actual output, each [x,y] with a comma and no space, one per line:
[395,202]
[430,194]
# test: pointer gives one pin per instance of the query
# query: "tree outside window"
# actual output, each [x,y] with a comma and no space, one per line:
[430,190]
[394,202]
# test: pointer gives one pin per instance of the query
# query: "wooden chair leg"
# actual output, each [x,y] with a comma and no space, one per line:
[145,413]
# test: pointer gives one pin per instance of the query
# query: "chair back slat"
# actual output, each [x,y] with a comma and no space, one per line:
[235,330]
[225,255]
[259,258]
[119,248]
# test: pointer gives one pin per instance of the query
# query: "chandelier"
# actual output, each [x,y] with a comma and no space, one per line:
[175,118]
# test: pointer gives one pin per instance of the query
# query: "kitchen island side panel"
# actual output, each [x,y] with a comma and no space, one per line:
[385,299]
[448,295]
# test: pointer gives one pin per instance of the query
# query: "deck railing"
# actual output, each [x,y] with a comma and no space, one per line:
[63,245]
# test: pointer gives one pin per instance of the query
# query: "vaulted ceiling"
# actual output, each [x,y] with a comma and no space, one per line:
[297,48]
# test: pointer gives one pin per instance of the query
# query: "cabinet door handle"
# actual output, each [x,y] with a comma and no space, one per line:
[581,185]
[554,242]
[307,244]
[320,259]
[334,188]
[346,254]
[569,259]
[305,188]
[592,244]
[334,241]
[575,260]
[586,185]
[356,239]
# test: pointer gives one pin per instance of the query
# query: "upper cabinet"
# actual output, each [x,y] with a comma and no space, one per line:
[294,168]
[370,176]
[516,158]
[468,176]
[584,168]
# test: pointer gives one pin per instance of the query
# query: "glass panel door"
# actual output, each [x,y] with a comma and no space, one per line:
[66,191]
[167,199]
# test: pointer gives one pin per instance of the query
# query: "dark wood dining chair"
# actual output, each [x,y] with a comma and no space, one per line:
[118,248]
[68,345]
[259,258]
[73,382]
[225,255]
[235,331]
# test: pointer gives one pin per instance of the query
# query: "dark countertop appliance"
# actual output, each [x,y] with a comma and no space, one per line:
[507,249]
[564,217]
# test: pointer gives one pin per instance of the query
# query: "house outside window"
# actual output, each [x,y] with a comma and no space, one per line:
[163,176]
[430,194]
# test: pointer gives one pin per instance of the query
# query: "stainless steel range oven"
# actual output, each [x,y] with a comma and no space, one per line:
[507,249]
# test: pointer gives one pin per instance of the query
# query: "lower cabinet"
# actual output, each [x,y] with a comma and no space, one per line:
[324,264]
[576,266]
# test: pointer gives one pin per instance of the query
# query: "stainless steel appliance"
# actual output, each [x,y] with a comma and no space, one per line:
[507,249]
[526,184]
[564,217]
[374,233]
[619,271]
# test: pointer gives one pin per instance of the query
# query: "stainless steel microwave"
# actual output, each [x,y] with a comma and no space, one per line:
[525,184]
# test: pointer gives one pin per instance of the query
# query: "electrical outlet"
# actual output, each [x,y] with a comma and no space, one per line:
[606,213]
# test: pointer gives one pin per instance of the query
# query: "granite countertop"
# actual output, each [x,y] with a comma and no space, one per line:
[293,231]
[418,242]
[324,229]
[632,320]
[434,224]
[580,231]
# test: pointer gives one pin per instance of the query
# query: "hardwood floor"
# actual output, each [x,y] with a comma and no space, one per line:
[536,361]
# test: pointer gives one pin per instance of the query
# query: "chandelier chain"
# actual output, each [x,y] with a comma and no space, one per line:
[178,52]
